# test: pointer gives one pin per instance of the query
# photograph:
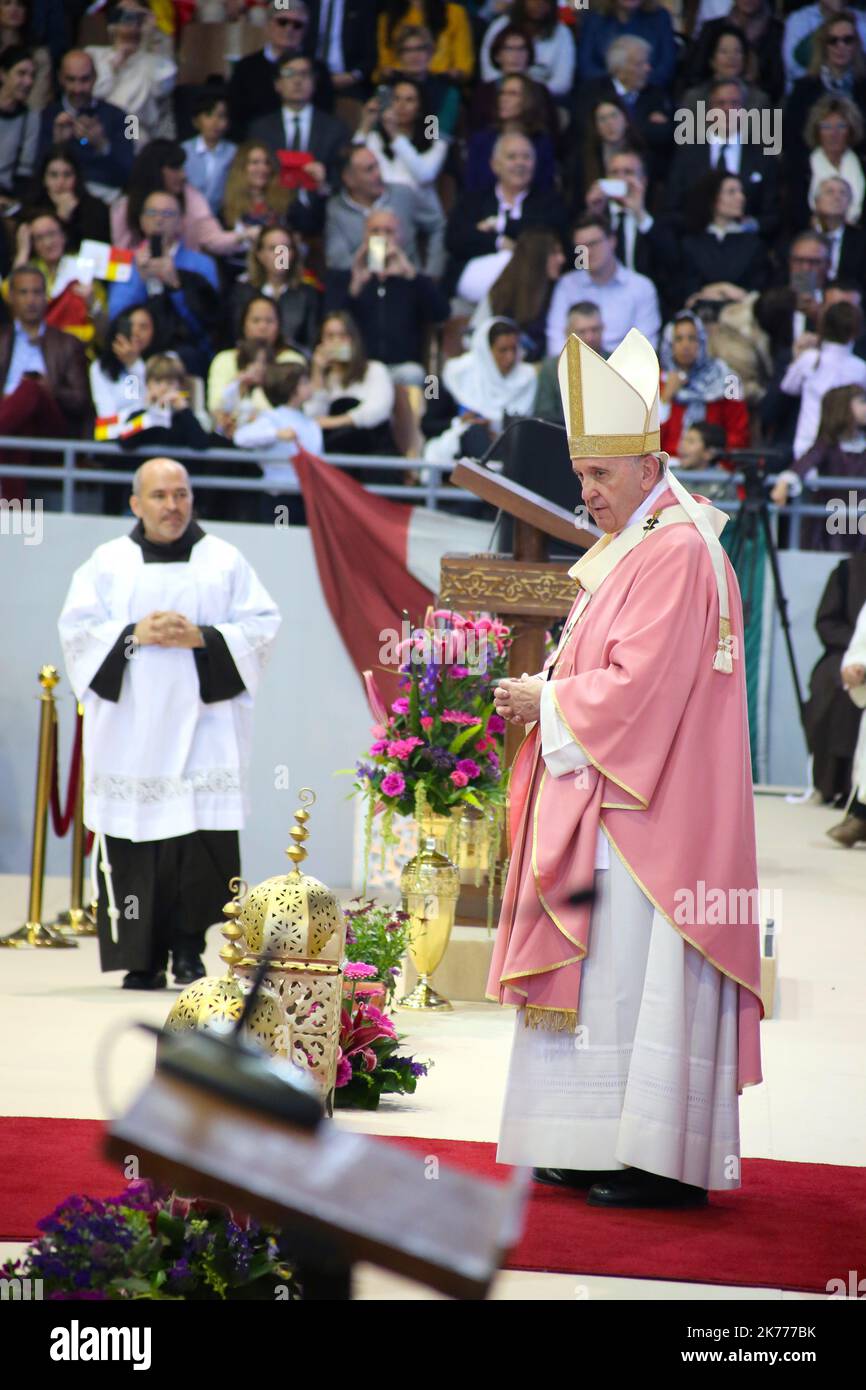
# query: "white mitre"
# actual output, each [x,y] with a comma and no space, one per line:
[611,410]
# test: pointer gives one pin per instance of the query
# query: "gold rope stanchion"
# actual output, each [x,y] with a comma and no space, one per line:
[34,933]
[77,920]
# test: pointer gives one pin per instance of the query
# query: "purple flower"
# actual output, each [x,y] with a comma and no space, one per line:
[496,724]
[441,759]
[470,768]
[344,1072]
[418,1068]
[400,706]
[458,672]
[394,784]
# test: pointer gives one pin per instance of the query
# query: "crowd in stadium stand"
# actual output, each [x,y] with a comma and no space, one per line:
[366,226]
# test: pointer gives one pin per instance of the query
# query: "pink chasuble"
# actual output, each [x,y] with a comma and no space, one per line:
[668,780]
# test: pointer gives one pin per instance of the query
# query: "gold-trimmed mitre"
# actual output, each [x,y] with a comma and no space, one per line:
[611,407]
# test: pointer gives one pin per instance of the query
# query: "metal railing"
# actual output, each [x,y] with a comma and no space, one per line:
[432,488]
[70,474]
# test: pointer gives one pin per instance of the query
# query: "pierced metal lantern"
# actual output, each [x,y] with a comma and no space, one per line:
[297,923]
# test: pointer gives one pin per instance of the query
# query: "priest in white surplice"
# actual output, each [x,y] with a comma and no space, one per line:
[165,633]
[637,1025]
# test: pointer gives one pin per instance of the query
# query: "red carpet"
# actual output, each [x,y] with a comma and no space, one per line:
[791,1226]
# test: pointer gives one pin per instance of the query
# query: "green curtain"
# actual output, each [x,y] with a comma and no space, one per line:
[747,553]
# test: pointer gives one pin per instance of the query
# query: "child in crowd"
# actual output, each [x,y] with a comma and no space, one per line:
[167,417]
[278,433]
[209,154]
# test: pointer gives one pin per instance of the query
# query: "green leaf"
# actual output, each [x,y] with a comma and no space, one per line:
[472,799]
[467,733]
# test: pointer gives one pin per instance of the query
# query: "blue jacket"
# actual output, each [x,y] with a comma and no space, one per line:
[599,32]
[111,168]
[213,186]
[126,295]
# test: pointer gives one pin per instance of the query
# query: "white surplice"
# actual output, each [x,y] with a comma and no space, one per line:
[159,762]
[649,1080]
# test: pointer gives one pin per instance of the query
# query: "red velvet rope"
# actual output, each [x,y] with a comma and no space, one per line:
[62,818]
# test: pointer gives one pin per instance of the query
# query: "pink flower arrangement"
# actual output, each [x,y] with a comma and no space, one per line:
[470,768]
[459,779]
[402,747]
[359,970]
[394,784]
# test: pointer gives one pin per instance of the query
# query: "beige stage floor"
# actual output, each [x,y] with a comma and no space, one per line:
[59,1016]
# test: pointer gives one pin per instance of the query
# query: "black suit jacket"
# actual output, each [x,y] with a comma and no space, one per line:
[464,240]
[111,168]
[252,92]
[328,138]
[66,374]
[852,257]
[759,173]
[651,100]
[358,36]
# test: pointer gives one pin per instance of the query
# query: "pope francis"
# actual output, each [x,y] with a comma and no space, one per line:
[637,1020]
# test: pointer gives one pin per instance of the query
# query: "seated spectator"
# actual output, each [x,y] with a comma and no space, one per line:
[117,378]
[554,55]
[236,374]
[132,71]
[615,18]
[439,95]
[363,191]
[482,388]
[800,28]
[278,432]
[160,167]
[179,285]
[519,110]
[95,129]
[830,218]
[208,153]
[522,292]
[275,269]
[348,48]
[19,126]
[255,198]
[15,20]
[724,54]
[608,131]
[700,448]
[512,54]
[481,223]
[584,321]
[696,387]
[720,242]
[352,398]
[838,451]
[641,244]
[816,369]
[629,64]
[252,86]
[298,125]
[59,183]
[764,33]
[74,303]
[625,299]
[167,417]
[397,135]
[392,304]
[43,371]
[454,52]
[837,68]
[834,128]
[756,170]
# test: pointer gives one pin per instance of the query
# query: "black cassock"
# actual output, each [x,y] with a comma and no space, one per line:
[167,891]
[832,718]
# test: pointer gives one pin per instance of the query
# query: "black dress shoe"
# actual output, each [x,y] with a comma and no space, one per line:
[144,979]
[186,969]
[580,1178]
[634,1188]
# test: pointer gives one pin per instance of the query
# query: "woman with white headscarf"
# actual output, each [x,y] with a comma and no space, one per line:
[486,384]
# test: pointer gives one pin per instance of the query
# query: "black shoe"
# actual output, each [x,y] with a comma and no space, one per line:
[635,1188]
[186,969]
[570,1177]
[144,979]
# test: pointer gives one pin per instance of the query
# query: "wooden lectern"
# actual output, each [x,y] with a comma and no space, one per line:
[526,590]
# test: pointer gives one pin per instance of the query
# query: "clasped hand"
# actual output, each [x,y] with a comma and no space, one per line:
[167,630]
[519,701]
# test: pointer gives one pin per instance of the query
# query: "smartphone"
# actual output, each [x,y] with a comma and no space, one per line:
[377,254]
[613,188]
[384,96]
[804,281]
[155,243]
